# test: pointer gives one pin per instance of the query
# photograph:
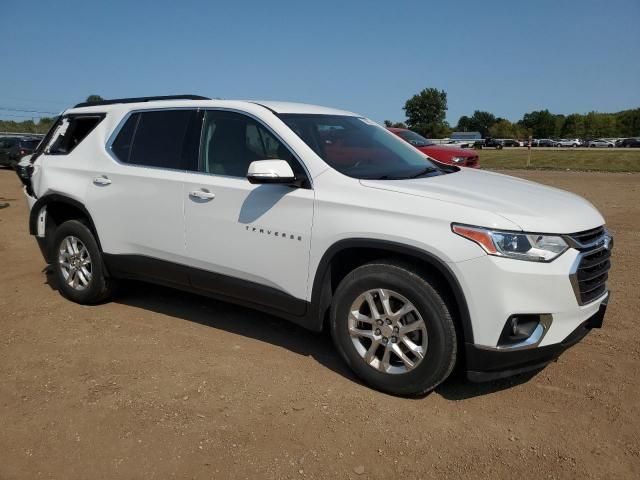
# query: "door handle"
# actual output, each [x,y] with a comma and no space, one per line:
[103,180]
[202,194]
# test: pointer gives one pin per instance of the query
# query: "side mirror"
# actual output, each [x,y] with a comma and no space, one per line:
[270,171]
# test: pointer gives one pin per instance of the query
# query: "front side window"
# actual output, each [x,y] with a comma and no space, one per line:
[153,138]
[360,148]
[231,141]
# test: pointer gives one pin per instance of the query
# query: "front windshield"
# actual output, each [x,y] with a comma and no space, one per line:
[414,138]
[360,148]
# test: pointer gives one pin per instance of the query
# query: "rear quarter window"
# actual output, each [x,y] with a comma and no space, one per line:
[72,130]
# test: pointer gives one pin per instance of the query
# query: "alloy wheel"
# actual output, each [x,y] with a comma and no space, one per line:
[387,331]
[75,263]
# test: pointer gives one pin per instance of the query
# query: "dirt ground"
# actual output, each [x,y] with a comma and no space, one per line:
[160,384]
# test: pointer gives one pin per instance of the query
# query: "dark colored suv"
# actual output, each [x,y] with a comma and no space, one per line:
[629,142]
[12,149]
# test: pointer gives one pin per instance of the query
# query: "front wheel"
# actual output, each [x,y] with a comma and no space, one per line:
[78,266]
[394,329]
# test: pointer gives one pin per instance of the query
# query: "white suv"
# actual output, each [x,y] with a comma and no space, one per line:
[323,217]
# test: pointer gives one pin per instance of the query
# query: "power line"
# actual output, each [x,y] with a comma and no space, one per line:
[33,100]
[26,110]
[17,116]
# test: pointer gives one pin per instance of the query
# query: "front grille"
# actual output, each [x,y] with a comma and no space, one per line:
[588,236]
[589,278]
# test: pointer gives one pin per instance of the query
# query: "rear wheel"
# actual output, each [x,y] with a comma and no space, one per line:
[394,329]
[78,266]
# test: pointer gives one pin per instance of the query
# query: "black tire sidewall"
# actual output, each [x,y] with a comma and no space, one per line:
[98,288]
[441,350]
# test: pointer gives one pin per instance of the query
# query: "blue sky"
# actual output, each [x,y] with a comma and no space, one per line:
[507,57]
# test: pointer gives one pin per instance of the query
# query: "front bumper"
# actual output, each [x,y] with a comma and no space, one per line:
[485,364]
[496,288]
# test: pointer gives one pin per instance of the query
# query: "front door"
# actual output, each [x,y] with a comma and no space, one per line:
[249,241]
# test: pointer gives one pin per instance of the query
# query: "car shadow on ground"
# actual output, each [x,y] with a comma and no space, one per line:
[267,328]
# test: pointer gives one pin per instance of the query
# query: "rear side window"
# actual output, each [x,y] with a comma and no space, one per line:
[72,130]
[153,139]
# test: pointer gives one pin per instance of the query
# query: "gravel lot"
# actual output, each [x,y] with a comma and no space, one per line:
[160,384]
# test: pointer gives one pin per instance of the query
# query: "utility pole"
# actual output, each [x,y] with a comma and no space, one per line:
[529,153]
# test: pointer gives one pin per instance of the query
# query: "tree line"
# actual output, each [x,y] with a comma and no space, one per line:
[426,113]
[41,126]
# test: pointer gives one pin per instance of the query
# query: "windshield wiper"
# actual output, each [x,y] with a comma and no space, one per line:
[424,171]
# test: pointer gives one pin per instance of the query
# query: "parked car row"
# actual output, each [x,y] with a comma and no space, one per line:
[12,149]
[569,142]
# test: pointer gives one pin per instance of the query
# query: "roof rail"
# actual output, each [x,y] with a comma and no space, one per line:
[141,99]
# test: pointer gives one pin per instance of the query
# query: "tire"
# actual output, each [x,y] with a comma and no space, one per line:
[437,339]
[73,284]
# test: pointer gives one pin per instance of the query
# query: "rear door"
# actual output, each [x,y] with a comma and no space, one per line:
[136,195]
[247,241]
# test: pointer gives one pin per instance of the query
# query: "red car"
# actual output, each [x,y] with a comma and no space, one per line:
[451,155]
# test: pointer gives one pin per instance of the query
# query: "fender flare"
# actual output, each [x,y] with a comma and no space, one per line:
[58,198]
[320,278]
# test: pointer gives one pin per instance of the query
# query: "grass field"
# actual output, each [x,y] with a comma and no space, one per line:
[605,160]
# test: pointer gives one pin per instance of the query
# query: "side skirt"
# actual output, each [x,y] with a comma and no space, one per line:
[211,284]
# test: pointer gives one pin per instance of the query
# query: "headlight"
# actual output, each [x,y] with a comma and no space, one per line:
[457,159]
[533,247]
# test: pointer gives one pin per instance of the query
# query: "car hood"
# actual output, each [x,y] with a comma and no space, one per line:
[531,206]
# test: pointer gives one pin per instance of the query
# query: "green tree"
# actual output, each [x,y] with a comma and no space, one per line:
[628,123]
[542,123]
[442,131]
[464,124]
[503,128]
[94,98]
[483,121]
[573,126]
[478,122]
[558,125]
[426,112]
[390,124]
[27,126]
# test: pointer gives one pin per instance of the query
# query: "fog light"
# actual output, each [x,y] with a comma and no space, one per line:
[518,328]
